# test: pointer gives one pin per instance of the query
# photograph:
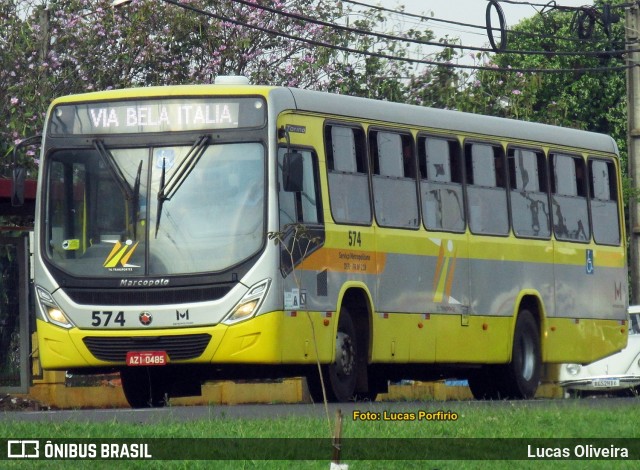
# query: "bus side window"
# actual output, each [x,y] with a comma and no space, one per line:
[394,185]
[441,184]
[302,206]
[486,189]
[529,197]
[348,174]
[604,202]
[569,202]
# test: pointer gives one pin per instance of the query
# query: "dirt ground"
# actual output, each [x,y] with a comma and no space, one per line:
[20,403]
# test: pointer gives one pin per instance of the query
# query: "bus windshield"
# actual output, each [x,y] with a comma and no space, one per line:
[102,209]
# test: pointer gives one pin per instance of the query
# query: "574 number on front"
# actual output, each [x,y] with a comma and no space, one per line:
[107,318]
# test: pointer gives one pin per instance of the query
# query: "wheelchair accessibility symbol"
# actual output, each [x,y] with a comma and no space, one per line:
[590,267]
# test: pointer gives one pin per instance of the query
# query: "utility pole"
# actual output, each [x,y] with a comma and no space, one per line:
[43,18]
[632,35]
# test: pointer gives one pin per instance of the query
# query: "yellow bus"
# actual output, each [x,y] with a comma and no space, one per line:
[194,233]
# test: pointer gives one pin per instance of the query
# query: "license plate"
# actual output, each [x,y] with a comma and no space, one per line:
[147,358]
[605,383]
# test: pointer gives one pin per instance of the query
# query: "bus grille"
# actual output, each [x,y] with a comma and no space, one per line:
[177,347]
[174,295]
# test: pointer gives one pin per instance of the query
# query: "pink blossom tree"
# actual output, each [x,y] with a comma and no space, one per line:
[50,48]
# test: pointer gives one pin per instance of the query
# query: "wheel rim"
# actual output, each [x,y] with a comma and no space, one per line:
[528,358]
[345,355]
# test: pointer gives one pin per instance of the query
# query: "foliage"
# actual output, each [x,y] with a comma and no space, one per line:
[50,48]
[9,317]
[438,86]
[595,101]
[520,423]
[370,75]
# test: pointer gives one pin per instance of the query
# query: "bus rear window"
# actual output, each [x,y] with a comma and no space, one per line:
[604,202]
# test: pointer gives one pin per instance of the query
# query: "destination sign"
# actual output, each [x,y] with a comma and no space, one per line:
[126,117]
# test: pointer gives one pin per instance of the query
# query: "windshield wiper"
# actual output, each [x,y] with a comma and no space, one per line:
[114,168]
[168,189]
[132,195]
[135,202]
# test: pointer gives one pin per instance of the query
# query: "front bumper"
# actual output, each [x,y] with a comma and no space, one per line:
[603,384]
[272,338]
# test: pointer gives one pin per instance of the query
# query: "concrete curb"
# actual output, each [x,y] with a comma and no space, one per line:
[109,394]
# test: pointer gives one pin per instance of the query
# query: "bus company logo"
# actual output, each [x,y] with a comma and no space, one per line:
[23,449]
[120,255]
[145,318]
[182,315]
[444,272]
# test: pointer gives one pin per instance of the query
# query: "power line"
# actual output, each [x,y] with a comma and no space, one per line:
[470,25]
[387,56]
[420,41]
[553,5]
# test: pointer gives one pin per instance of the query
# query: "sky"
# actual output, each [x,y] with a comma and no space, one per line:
[468,11]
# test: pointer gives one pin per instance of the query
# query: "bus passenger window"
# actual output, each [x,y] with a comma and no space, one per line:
[348,178]
[568,200]
[343,149]
[604,202]
[394,185]
[529,198]
[486,189]
[441,184]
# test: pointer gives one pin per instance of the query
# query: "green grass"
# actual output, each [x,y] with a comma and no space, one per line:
[578,419]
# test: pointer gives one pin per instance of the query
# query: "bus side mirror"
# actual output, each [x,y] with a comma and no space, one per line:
[17,191]
[292,172]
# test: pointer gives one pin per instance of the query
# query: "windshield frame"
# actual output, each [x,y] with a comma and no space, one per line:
[84,142]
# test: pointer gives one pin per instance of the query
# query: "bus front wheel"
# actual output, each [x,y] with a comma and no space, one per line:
[340,377]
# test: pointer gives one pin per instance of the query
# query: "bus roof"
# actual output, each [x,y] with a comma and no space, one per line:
[284,98]
[453,121]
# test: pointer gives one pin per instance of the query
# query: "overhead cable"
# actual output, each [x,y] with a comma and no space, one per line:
[392,37]
[388,56]
[468,25]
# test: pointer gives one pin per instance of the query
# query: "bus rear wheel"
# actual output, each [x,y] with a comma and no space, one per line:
[520,378]
[340,377]
[524,371]
[144,387]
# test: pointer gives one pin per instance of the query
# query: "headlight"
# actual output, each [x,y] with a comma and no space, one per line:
[50,309]
[573,369]
[249,303]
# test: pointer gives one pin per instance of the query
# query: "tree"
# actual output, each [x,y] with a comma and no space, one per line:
[438,86]
[591,100]
[369,74]
[50,48]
